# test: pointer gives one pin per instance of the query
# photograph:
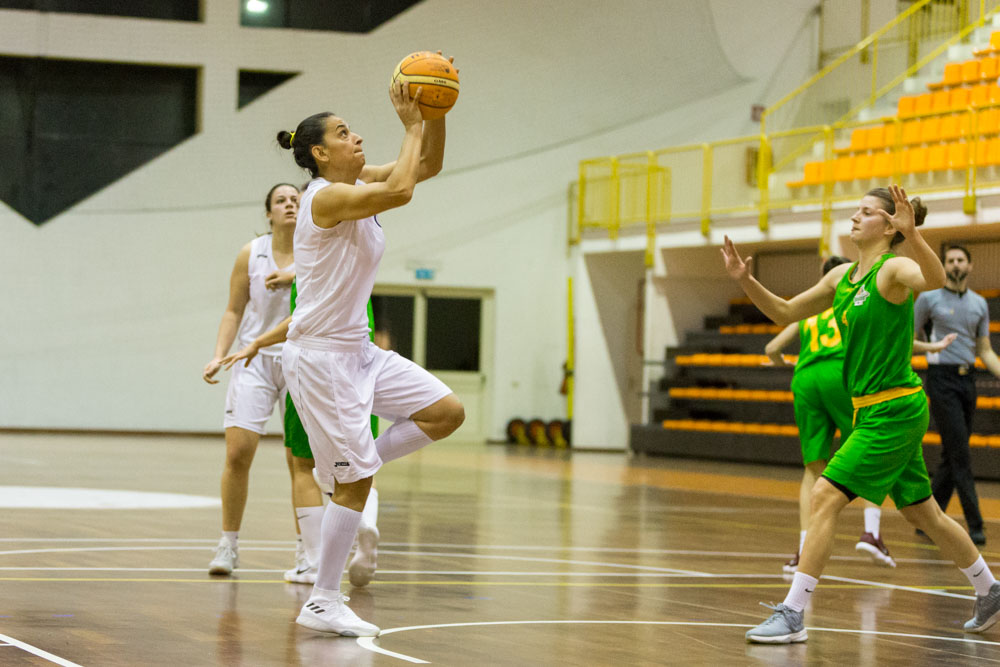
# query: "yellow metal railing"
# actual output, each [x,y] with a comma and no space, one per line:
[737,176]
[623,190]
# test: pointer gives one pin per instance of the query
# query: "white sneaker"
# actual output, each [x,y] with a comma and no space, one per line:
[335,617]
[227,558]
[365,560]
[303,572]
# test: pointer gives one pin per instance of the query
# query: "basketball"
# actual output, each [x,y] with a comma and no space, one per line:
[435,75]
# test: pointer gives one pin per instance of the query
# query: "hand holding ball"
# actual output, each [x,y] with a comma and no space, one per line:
[436,75]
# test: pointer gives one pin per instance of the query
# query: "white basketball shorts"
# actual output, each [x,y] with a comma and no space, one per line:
[253,391]
[337,386]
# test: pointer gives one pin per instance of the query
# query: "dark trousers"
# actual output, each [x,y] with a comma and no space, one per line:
[953,399]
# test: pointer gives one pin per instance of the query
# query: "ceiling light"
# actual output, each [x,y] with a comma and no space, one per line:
[257,6]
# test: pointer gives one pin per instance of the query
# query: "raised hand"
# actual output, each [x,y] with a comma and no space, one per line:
[736,267]
[903,220]
[407,107]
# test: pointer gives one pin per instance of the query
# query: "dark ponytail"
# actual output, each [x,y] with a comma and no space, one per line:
[919,210]
[309,133]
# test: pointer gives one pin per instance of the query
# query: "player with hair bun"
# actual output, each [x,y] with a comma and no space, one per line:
[336,376]
[872,300]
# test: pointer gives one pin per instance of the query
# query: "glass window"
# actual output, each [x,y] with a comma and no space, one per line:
[453,334]
[68,127]
[254,84]
[174,10]
[335,15]
[394,323]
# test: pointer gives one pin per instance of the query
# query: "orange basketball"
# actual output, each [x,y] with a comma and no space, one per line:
[435,75]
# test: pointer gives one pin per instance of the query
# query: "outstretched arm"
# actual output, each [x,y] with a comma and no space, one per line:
[814,300]
[921,347]
[278,334]
[343,201]
[239,295]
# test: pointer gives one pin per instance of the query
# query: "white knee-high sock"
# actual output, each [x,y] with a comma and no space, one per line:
[873,516]
[802,588]
[979,576]
[340,524]
[369,515]
[311,528]
[402,438]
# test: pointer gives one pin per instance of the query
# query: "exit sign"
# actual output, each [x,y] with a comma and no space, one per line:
[424,274]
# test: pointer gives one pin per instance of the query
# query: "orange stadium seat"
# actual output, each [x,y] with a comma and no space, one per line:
[971,72]
[863,166]
[923,103]
[958,155]
[937,157]
[915,160]
[955,126]
[930,130]
[905,106]
[952,77]
[958,98]
[882,165]
[843,169]
[988,121]
[940,100]
[979,95]
[994,46]
[989,68]
[911,132]
[813,173]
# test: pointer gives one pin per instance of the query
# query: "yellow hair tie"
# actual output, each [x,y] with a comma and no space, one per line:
[291,139]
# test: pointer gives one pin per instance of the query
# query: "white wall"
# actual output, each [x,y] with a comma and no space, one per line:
[111,308]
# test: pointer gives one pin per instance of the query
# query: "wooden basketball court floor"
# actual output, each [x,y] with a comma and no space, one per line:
[490,555]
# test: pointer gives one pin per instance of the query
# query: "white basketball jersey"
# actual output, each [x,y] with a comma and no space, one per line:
[335,273]
[267,308]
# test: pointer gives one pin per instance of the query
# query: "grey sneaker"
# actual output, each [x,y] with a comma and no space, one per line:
[785,626]
[986,611]
[227,558]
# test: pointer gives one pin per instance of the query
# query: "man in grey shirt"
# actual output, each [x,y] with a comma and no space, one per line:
[950,379]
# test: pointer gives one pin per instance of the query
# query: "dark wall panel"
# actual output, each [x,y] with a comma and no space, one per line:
[74,127]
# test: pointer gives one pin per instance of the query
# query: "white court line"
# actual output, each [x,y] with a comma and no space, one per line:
[882,584]
[369,642]
[37,651]
[560,561]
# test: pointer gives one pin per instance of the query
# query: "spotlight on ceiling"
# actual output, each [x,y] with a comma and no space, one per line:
[257,6]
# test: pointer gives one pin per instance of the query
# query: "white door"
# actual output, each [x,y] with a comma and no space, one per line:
[449,332]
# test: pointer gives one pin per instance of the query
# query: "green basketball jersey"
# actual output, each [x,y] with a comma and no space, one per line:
[878,335]
[819,338]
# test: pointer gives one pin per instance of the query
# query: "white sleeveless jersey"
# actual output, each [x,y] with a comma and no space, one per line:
[266,308]
[335,273]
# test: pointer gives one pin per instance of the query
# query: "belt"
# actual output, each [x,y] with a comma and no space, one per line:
[960,369]
[880,397]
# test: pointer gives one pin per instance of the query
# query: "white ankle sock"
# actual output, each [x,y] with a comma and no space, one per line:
[802,587]
[311,527]
[233,536]
[340,524]
[402,438]
[369,515]
[802,540]
[979,576]
[873,516]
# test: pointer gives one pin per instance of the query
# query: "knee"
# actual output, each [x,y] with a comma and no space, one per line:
[825,499]
[238,459]
[451,416]
[352,495]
